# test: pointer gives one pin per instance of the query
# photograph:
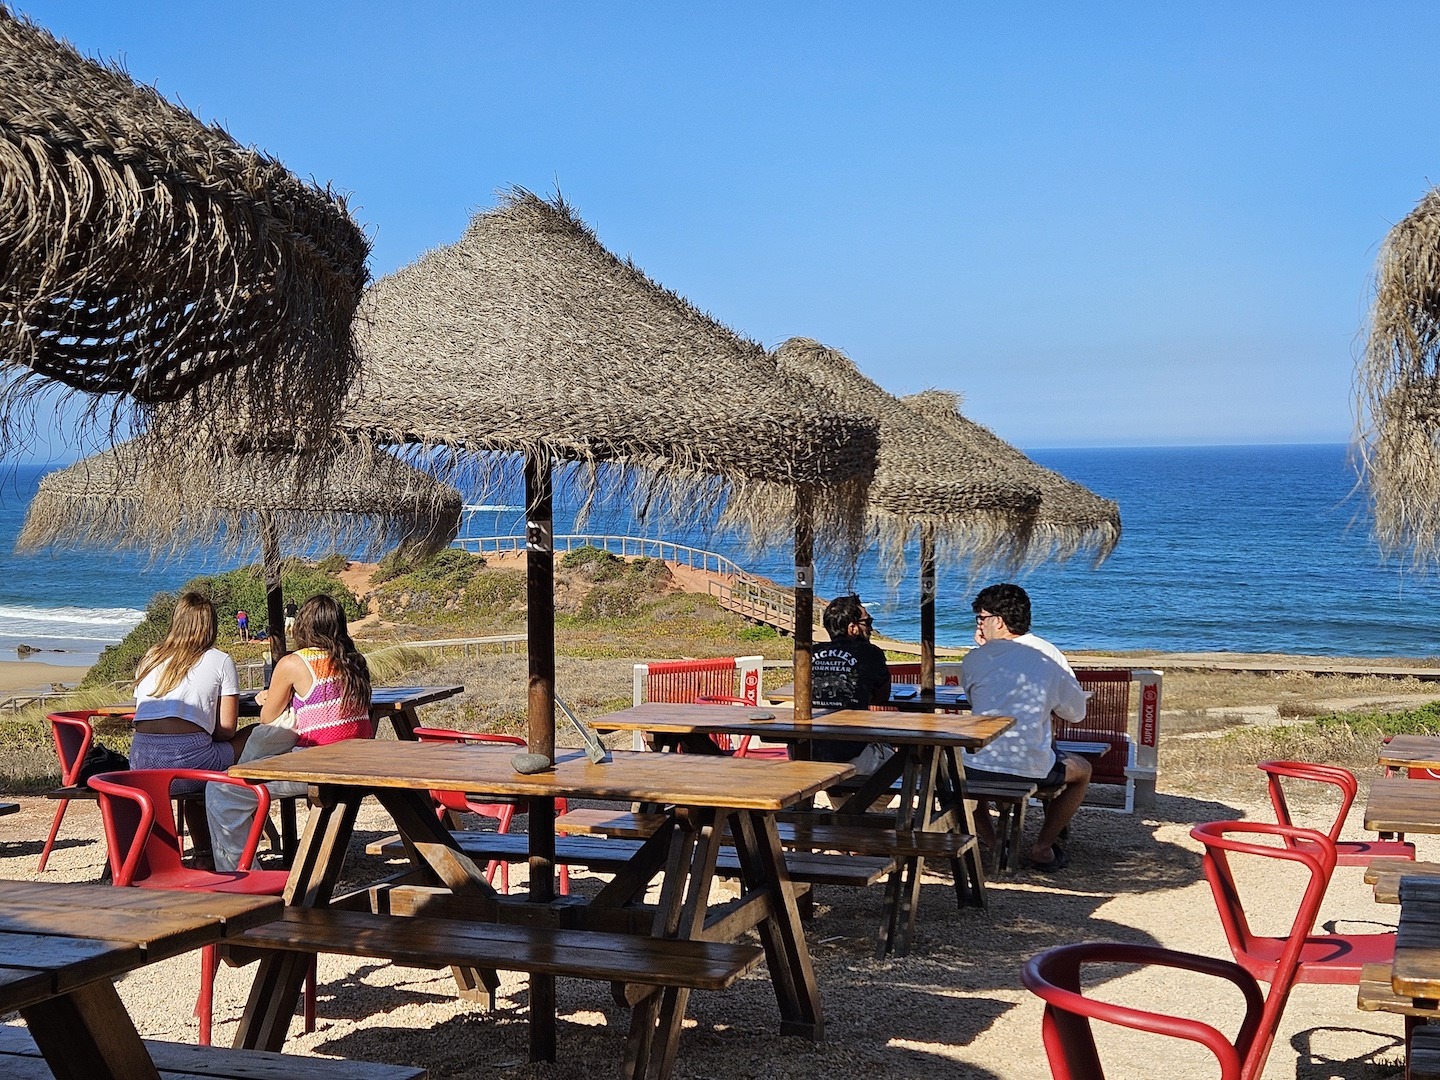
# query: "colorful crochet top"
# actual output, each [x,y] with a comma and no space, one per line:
[320,715]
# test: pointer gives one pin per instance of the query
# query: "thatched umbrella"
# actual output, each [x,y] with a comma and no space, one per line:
[528,337]
[968,495]
[368,502]
[147,256]
[1398,387]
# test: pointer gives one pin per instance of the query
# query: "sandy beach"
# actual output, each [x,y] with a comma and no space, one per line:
[20,675]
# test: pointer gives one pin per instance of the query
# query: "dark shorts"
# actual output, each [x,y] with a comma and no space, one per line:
[1054,778]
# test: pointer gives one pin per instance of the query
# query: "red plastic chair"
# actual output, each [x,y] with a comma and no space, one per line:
[503,811]
[1055,976]
[72,734]
[144,851]
[1301,956]
[1347,852]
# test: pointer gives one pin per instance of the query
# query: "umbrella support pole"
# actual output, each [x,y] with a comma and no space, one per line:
[540,713]
[274,594]
[804,596]
[927,611]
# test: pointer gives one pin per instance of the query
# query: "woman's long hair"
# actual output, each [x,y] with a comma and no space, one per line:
[320,624]
[193,630]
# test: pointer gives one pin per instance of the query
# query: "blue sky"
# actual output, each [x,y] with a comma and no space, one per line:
[1106,224]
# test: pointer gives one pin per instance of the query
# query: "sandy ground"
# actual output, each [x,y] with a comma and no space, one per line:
[952,1009]
[18,675]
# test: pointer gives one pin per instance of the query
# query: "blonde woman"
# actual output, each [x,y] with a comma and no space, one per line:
[187,705]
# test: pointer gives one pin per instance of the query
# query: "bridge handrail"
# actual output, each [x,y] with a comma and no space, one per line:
[640,546]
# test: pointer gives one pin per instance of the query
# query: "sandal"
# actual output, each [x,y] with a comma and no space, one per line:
[1059,861]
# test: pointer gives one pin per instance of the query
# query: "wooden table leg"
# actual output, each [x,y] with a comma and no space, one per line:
[902,889]
[657,1020]
[87,1035]
[405,720]
[318,864]
[970,869]
[762,867]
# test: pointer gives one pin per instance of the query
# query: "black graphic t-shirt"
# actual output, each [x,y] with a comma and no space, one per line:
[846,673]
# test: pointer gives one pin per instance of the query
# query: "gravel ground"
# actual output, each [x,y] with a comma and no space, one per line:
[952,1009]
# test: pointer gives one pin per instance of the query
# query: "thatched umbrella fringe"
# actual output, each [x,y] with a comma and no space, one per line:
[143,252]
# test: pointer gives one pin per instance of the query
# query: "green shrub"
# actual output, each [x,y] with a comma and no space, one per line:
[622,599]
[1421,720]
[434,584]
[495,591]
[758,632]
[333,563]
[593,564]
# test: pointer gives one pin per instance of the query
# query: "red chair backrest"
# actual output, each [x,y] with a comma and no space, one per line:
[686,680]
[1055,976]
[455,800]
[1342,779]
[1107,719]
[72,734]
[140,830]
[1221,839]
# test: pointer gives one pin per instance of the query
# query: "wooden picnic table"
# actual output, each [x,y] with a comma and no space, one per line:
[703,797]
[1400,805]
[931,780]
[398,704]
[1416,971]
[1411,752]
[906,697]
[61,946]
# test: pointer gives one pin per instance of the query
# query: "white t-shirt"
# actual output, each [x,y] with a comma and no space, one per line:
[197,696]
[1013,677]
[1035,641]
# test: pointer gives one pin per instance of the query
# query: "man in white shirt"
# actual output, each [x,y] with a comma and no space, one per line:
[1015,673]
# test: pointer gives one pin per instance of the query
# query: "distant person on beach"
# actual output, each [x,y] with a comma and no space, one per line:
[187,705]
[242,624]
[318,694]
[290,610]
[1016,673]
[849,672]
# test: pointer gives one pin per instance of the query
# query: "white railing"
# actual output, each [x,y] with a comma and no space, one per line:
[624,546]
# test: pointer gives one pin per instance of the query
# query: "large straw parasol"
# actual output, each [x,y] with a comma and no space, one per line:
[368,502]
[146,257]
[968,496]
[1398,388]
[528,337]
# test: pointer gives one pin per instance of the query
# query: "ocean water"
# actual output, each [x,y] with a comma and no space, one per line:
[1246,549]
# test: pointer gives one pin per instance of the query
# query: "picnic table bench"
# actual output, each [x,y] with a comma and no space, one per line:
[9,808]
[611,856]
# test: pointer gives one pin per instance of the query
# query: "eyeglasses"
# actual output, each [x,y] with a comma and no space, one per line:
[979,619]
[867,621]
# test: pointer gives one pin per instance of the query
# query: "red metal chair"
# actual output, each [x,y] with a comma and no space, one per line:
[502,810]
[746,747]
[144,851]
[1347,852]
[1301,956]
[1055,976]
[72,734]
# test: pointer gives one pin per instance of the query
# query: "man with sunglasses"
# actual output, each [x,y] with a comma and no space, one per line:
[849,672]
[1016,673]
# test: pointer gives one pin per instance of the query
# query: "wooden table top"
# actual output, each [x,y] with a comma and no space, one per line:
[1411,751]
[683,779]
[1416,973]
[383,699]
[56,937]
[969,732]
[1397,804]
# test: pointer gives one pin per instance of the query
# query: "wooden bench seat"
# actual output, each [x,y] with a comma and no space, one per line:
[426,942]
[1010,799]
[609,856]
[1378,995]
[9,808]
[20,1060]
[1385,874]
[1424,1053]
[794,831]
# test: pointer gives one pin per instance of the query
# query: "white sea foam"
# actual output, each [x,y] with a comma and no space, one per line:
[68,623]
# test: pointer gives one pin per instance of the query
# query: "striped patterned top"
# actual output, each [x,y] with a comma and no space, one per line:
[319,715]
